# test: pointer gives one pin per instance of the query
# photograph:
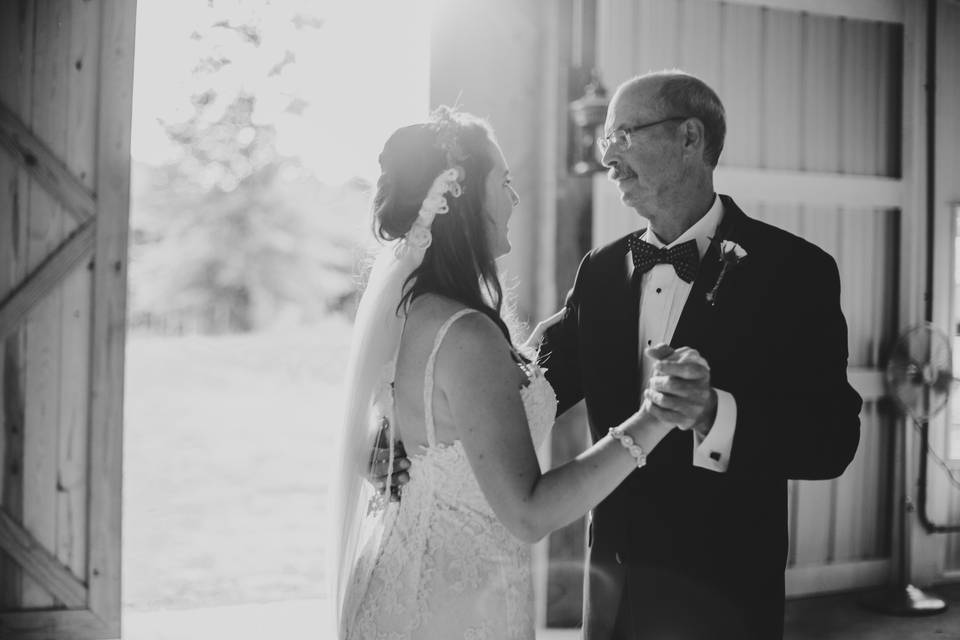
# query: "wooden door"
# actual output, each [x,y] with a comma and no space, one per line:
[821,101]
[65,107]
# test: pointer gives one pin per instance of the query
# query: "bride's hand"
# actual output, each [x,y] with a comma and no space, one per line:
[378,471]
[534,340]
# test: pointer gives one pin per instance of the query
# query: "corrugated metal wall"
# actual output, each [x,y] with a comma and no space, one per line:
[810,94]
[948,203]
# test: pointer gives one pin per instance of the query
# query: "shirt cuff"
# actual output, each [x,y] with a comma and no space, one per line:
[713,451]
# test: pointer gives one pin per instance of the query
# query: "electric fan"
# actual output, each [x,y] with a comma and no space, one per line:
[920,372]
[919,378]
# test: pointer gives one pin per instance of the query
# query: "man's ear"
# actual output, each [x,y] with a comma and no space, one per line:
[693,135]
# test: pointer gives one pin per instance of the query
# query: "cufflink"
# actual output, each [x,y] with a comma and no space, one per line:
[715,456]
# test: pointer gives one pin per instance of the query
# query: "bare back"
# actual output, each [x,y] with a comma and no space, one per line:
[426,317]
[449,567]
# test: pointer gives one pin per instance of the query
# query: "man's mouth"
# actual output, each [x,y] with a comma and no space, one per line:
[621,175]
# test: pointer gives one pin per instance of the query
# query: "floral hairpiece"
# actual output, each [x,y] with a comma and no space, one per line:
[446,127]
[434,204]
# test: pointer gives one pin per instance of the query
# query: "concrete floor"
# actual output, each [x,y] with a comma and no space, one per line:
[842,617]
[824,618]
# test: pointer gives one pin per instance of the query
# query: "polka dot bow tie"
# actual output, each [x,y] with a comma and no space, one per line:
[684,257]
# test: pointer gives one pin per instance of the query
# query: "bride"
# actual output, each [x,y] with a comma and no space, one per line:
[436,366]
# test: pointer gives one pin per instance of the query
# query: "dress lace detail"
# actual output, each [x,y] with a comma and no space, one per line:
[447,567]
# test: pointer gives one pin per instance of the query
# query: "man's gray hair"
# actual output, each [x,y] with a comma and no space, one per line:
[685,95]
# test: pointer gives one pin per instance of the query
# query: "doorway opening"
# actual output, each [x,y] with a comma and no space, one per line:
[255,136]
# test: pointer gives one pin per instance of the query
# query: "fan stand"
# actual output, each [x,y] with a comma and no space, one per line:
[902,598]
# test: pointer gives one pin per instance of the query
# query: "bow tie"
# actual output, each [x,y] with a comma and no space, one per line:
[684,257]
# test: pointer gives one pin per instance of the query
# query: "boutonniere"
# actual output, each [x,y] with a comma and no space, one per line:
[731,255]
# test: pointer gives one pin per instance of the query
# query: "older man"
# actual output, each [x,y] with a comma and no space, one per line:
[694,544]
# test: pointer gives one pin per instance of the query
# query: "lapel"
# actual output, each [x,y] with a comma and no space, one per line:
[612,344]
[698,321]
[627,308]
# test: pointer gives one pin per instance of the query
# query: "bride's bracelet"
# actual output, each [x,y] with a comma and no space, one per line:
[624,438]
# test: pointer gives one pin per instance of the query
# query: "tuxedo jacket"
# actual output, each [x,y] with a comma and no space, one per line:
[676,550]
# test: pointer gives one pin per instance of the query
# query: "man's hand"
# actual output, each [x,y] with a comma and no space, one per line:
[379,464]
[679,391]
[533,342]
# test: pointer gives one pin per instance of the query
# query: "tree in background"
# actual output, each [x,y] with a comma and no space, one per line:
[231,234]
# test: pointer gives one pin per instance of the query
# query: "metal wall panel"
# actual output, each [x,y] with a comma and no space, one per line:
[804,93]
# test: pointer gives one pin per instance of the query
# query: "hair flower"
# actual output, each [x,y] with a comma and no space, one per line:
[433,205]
[419,237]
[436,202]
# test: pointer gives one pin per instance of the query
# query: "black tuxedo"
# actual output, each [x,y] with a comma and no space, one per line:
[683,552]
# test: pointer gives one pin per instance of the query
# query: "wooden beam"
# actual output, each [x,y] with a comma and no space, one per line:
[61,624]
[45,277]
[869,383]
[17,63]
[118,24]
[819,579]
[45,167]
[42,565]
[875,10]
[76,295]
[810,188]
[49,122]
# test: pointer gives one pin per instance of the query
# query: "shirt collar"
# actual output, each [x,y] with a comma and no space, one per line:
[703,230]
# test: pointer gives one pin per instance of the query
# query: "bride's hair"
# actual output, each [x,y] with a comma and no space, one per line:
[459,263]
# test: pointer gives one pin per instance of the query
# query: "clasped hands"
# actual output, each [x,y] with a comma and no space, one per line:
[678,394]
[679,391]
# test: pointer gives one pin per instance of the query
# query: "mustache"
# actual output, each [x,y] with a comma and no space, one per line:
[619,173]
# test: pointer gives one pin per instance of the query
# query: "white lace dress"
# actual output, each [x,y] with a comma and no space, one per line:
[448,569]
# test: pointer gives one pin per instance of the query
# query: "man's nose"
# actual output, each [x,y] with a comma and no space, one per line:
[609,157]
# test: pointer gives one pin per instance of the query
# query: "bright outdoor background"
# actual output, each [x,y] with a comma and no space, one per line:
[256,130]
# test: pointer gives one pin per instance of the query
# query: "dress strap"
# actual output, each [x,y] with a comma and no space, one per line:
[428,377]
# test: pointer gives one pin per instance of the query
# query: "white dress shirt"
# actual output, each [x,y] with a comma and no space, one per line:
[662,296]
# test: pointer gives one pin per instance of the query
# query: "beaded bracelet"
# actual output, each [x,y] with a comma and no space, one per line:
[629,444]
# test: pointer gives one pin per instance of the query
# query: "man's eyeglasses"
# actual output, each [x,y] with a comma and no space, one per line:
[621,138]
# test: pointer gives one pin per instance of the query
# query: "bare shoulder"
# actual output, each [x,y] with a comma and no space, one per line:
[426,315]
[473,330]
[473,345]
[476,334]
[430,311]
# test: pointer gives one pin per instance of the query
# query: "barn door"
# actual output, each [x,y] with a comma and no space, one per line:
[822,112]
[65,100]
